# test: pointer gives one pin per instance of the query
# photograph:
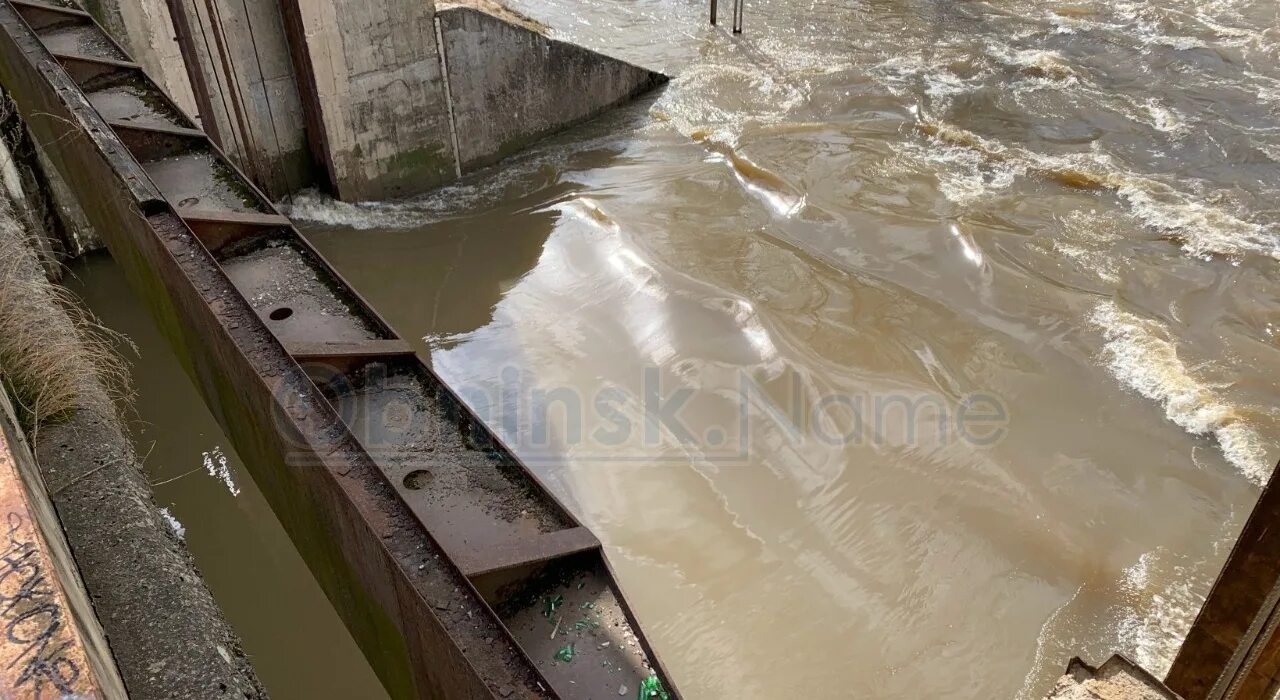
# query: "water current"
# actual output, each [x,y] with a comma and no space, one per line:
[894,349]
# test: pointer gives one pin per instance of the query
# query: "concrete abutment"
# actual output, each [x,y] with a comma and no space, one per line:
[368,101]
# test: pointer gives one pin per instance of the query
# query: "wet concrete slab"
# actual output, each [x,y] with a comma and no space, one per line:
[80,40]
[291,297]
[199,180]
[132,103]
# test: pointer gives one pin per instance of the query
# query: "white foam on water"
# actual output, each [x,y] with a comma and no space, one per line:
[903,74]
[215,464]
[174,524]
[1163,118]
[1154,628]
[1138,353]
[1146,29]
[313,206]
[316,207]
[1203,230]
[1048,65]
[717,95]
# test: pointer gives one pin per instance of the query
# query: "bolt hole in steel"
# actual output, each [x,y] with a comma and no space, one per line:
[280,314]
[417,479]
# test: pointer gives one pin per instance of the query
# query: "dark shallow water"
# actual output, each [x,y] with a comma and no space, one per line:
[294,638]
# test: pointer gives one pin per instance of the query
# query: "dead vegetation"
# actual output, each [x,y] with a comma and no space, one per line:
[54,357]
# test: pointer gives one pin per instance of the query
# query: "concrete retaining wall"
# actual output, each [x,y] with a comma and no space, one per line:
[510,85]
[393,117]
[374,94]
[359,96]
[37,554]
[242,76]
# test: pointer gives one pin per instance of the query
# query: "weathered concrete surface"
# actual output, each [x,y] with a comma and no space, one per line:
[510,85]
[242,76]
[145,29]
[372,86]
[1117,679]
[227,63]
[77,234]
[68,653]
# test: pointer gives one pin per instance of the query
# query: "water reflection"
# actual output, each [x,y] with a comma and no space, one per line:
[1067,207]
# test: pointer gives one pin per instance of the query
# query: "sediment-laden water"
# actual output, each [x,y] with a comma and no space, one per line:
[896,349]
[293,637]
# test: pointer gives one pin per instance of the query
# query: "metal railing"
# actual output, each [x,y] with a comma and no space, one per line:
[738,7]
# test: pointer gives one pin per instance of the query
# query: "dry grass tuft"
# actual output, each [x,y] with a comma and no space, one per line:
[54,355]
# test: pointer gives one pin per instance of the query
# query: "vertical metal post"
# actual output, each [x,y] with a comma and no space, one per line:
[713,13]
[738,7]
[1232,651]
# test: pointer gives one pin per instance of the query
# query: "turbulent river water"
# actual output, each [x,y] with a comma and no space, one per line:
[895,349]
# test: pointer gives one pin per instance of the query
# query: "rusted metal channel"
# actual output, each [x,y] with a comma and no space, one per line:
[1232,651]
[457,571]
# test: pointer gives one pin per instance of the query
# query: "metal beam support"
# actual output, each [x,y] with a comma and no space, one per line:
[1232,651]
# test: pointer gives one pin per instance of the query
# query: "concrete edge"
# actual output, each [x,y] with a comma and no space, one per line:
[70,652]
[510,86]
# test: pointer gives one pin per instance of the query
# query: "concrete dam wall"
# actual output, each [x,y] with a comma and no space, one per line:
[368,101]
[510,85]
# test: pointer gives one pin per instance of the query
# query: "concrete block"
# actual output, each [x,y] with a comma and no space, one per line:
[374,94]
[510,85]
[1117,679]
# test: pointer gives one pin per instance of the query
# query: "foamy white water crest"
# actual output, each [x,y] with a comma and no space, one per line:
[1139,354]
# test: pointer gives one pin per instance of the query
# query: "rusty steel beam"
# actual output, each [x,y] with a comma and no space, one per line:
[553,545]
[381,569]
[435,542]
[1232,650]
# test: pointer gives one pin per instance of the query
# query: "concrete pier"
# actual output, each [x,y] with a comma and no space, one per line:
[510,85]
[373,94]
[368,101]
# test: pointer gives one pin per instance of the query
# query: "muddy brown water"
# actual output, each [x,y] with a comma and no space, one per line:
[296,641]
[1057,221]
